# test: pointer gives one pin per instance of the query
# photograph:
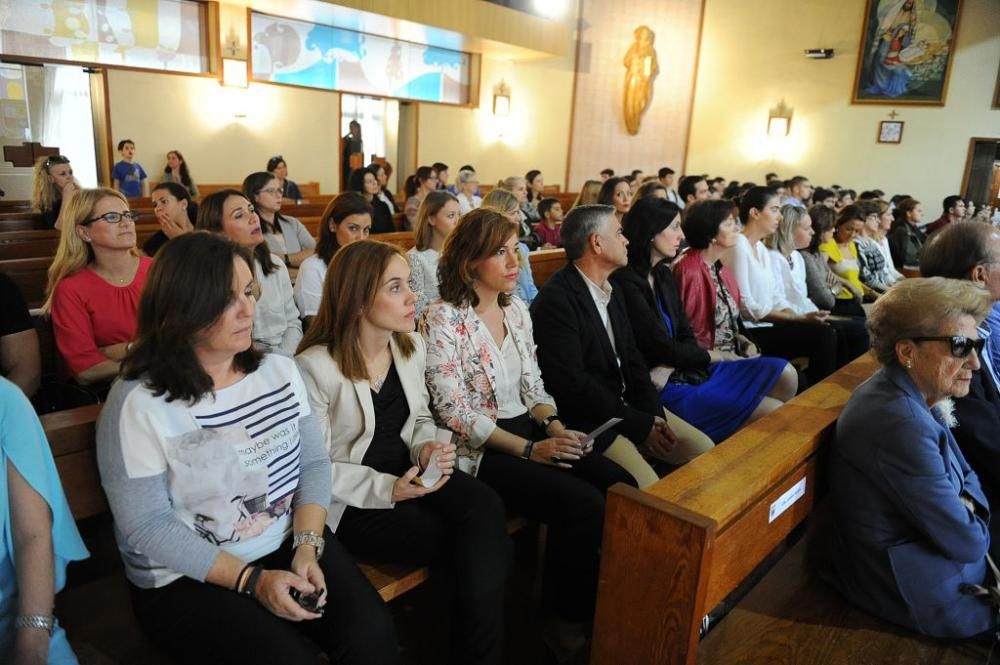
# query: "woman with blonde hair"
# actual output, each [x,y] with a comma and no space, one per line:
[518,186]
[505,202]
[54,187]
[589,193]
[465,189]
[911,538]
[363,367]
[437,216]
[95,281]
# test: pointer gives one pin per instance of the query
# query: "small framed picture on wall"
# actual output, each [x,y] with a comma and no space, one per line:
[890,131]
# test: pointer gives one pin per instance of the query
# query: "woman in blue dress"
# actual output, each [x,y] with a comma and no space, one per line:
[716,391]
[39,538]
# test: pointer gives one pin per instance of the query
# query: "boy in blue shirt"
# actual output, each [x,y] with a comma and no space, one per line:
[128,177]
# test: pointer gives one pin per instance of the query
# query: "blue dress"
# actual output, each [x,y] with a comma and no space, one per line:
[23,444]
[734,388]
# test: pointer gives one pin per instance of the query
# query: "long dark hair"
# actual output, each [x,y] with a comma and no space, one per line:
[528,177]
[185,174]
[902,211]
[756,198]
[356,183]
[252,185]
[607,193]
[210,219]
[180,193]
[640,224]
[188,289]
[340,208]
[822,221]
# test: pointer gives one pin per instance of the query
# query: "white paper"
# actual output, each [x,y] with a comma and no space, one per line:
[785,501]
[588,441]
[432,473]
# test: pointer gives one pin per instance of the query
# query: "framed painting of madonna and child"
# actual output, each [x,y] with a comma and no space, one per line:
[906,52]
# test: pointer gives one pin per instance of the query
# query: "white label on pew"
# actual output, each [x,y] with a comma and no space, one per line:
[784,502]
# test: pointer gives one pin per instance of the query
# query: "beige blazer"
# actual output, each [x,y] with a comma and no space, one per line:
[347,419]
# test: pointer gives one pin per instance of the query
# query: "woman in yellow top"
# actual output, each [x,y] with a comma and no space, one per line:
[842,255]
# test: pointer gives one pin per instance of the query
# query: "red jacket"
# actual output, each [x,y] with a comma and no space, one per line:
[698,294]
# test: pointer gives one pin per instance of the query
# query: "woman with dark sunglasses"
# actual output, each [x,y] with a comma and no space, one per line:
[911,539]
[94,285]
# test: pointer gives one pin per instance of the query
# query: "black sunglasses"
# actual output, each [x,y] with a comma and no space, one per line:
[961,346]
[56,159]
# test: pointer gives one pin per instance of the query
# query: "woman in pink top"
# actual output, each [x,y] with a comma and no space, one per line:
[94,284]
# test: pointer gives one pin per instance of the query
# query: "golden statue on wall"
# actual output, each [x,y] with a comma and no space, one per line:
[640,65]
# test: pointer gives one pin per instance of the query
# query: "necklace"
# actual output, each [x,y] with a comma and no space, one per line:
[378,376]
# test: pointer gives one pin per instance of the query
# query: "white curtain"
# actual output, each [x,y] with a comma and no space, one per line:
[370,112]
[67,120]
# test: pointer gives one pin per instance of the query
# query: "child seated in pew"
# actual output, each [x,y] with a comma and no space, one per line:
[547,230]
[54,187]
[128,176]
[40,538]
[94,285]
[365,378]
[214,469]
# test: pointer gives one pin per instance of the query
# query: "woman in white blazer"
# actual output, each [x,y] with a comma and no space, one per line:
[363,367]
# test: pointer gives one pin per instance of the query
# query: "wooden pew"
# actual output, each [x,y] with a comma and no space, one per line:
[405,239]
[545,263]
[31,244]
[31,276]
[672,553]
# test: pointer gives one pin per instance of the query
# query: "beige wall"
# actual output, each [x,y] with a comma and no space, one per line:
[600,139]
[752,59]
[534,136]
[198,116]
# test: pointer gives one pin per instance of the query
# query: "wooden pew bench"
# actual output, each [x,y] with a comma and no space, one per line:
[32,244]
[674,552]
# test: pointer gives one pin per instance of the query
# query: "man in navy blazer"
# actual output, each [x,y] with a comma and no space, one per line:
[586,348]
[971,251]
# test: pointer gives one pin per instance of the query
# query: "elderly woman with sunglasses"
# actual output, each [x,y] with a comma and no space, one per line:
[911,535]
[94,284]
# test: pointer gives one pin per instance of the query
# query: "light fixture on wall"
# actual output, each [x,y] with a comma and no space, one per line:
[501,100]
[234,73]
[779,121]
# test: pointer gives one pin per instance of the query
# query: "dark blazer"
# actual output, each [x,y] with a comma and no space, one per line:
[578,364]
[679,350]
[381,217]
[905,243]
[978,431]
[904,543]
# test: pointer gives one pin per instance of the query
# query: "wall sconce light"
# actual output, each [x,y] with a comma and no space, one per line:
[501,100]
[779,121]
[234,73]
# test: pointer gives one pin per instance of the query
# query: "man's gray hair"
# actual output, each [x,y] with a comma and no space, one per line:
[582,222]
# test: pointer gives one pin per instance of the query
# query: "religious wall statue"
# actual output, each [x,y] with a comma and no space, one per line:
[640,65]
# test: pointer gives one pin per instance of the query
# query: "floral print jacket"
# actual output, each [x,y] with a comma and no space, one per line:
[462,369]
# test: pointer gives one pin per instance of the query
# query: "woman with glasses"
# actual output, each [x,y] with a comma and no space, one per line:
[285,236]
[94,284]
[214,468]
[54,188]
[910,542]
[277,167]
[276,324]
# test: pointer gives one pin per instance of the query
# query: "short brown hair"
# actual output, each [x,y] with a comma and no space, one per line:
[477,235]
[918,307]
[351,283]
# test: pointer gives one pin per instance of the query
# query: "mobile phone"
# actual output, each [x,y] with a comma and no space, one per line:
[308,601]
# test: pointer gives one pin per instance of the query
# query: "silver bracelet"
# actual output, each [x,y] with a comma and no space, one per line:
[46,623]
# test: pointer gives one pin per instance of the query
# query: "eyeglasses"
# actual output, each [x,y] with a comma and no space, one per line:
[56,159]
[273,190]
[961,346]
[114,218]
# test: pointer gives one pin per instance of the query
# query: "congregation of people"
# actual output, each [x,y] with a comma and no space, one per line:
[278,407]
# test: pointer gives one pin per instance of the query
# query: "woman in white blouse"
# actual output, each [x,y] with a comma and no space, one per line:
[436,217]
[363,367]
[880,236]
[347,219]
[465,187]
[788,267]
[775,327]
[276,325]
[485,384]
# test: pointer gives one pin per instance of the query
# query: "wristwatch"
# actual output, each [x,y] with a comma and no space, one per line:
[38,621]
[548,420]
[313,538]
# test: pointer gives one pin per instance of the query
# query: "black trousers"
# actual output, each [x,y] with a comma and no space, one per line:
[793,339]
[460,530]
[852,338]
[198,622]
[571,503]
